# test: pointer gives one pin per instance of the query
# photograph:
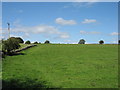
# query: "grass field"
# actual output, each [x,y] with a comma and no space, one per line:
[66,66]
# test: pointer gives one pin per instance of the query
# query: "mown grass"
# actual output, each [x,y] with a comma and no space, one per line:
[66,66]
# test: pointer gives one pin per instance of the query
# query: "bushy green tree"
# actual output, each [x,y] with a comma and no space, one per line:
[47,42]
[82,41]
[35,42]
[28,42]
[101,42]
[10,45]
[20,40]
[118,41]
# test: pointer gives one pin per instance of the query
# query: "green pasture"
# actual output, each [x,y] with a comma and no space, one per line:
[63,66]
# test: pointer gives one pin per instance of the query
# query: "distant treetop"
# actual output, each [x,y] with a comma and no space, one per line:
[101,42]
[47,42]
[28,42]
[82,41]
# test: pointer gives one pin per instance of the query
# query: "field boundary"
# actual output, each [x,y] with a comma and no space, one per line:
[25,48]
[2,54]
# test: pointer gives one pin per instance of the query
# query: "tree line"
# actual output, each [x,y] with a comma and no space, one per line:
[11,44]
[82,41]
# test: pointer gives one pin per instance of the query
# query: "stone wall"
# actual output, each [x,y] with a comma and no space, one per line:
[25,48]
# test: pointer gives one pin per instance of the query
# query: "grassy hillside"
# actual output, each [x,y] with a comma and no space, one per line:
[67,66]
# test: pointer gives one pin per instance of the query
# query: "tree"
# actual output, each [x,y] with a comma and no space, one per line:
[82,41]
[20,40]
[101,42]
[28,42]
[118,41]
[47,42]
[9,45]
[35,42]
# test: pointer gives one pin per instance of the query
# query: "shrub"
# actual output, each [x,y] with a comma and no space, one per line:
[118,41]
[35,42]
[10,44]
[82,41]
[28,42]
[101,42]
[20,40]
[47,42]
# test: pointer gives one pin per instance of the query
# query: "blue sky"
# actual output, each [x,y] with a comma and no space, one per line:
[62,22]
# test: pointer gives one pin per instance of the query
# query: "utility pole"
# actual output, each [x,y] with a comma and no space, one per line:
[9,29]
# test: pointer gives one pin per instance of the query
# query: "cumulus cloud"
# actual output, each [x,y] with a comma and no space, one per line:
[26,35]
[94,32]
[64,35]
[82,4]
[89,21]
[114,33]
[62,21]
[41,29]
[83,32]
[91,32]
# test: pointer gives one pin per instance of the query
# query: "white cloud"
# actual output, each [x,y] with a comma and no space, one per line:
[64,35]
[27,35]
[91,32]
[114,33]
[94,32]
[89,21]
[83,32]
[62,21]
[41,29]
[82,4]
